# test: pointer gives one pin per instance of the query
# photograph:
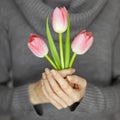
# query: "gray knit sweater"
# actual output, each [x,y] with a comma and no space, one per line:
[100,66]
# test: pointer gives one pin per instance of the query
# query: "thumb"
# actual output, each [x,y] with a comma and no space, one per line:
[66,72]
[74,79]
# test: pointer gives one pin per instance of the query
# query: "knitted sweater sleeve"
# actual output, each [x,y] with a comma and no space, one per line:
[104,99]
[13,101]
[5,91]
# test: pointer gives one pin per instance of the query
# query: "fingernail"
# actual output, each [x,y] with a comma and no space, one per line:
[53,72]
[47,70]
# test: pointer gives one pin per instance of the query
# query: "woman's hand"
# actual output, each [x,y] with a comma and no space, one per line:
[35,89]
[62,91]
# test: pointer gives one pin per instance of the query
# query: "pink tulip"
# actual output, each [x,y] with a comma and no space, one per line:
[37,45]
[82,42]
[59,20]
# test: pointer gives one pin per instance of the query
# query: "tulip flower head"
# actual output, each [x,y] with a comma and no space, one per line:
[60,23]
[82,42]
[59,20]
[37,45]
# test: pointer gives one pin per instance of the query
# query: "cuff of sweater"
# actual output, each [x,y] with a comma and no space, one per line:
[21,103]
[93,100]
[21,100]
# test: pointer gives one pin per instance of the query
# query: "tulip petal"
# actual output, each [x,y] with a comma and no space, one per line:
[88,45]
[59,20]
[37,45]
[82,42]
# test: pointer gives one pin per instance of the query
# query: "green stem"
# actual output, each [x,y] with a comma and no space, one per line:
[72,59]
[67,45]
[51,62]
[61,50]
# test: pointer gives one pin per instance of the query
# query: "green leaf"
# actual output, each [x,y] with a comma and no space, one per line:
[52,47]
[67,45]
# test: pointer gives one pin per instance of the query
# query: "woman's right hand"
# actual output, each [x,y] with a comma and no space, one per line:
[36,93]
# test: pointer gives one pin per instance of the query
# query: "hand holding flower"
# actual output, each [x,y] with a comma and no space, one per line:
[35,89]
[59,91]
[59,88]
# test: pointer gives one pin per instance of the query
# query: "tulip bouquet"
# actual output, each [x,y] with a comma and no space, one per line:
[61,23]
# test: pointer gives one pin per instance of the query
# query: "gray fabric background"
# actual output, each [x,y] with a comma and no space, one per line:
[117,117]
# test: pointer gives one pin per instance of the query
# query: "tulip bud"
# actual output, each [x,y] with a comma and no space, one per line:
[37,45]
[82,42]
[59,20]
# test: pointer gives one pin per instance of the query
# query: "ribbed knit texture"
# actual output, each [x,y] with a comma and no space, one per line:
[100,66]
[39,11]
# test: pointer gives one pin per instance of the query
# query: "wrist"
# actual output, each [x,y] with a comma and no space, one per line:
[36,95]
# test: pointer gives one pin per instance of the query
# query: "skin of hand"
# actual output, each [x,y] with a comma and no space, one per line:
[36,93]
[62,91]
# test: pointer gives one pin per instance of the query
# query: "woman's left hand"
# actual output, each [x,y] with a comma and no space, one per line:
[69,89]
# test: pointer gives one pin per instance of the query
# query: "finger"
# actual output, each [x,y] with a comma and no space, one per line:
[58,91]
[43,76]
[63,73]
[75,95]
[52,94]
[80,86]
[53,102]
[66,72]
[77,80]
[47,71]
[62,82]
